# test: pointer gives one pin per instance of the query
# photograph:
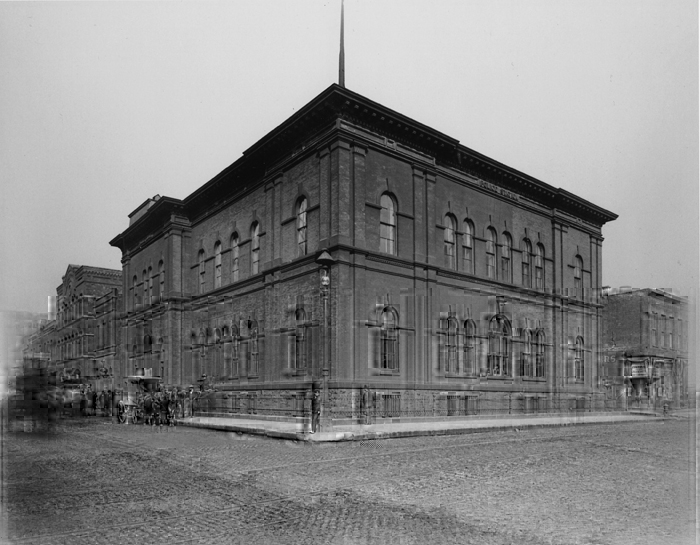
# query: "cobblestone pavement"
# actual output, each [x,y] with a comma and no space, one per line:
[89,482]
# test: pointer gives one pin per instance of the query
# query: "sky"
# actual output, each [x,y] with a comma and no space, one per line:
[105,104]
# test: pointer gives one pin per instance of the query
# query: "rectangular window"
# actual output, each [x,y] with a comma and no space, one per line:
[491,266]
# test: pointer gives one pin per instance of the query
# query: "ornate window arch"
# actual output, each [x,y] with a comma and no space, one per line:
[491,243]
[499,346]
[301,225]
[387,224]
[389,339]
[450,247]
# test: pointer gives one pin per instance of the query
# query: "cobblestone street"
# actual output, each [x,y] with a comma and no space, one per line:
[89,482]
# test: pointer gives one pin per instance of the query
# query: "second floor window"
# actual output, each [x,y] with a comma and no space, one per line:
[506,258]
[234,258]
[161,275]
[134,283]
[387,225]
[578,281]
[499,347]
[201,271]
[491,253]
[144,278]
[255,248]
[468,247]
[526,253]
[301,226]
[450,258]
[150,285]
[217,265]
[539,267]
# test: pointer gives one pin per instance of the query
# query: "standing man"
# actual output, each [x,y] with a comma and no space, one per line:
[315,410]
[364,404]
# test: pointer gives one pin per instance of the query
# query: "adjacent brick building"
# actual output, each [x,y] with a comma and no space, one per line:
[450,282]
[646,347]
[81,342]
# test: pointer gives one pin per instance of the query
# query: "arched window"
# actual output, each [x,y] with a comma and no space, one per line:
[254,354]
[135,294]
[450,251]
[301,226]
[499,347]
[389,339]
[448,352]
[526,253]
[300,340]
[201,270]
[491,240]
[468,247]
[526,369]
[469,347]
[255,248]
[539,354]
[539,267]
[505,258]
[387,224]
[161,275]
[579,360]
[578,281]
[144,277]
[150,285]
[217,264]
[234,257]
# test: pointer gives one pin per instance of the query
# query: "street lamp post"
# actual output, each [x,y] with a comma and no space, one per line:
[325,261]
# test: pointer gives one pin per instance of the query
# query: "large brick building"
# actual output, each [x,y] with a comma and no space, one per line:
[81,339]
[449,281]
[646,347]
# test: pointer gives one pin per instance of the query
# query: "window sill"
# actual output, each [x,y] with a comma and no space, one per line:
[460,375]
[299,372]
[390,372]
[533,379]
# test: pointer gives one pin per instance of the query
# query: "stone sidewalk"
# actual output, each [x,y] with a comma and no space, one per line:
[379,430]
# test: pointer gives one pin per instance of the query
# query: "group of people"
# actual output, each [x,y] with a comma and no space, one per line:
[94,403]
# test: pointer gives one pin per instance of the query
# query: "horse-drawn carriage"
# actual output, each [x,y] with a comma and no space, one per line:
[146,402]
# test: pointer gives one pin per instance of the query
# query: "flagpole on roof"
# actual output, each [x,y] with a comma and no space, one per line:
[341,63]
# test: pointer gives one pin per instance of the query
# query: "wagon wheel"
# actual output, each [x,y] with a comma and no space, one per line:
[121,416]
[134,415]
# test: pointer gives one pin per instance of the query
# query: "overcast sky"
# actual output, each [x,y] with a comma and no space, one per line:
[103,105]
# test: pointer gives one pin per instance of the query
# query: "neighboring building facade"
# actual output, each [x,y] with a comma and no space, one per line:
[81,342]
[646,348]
[450,283]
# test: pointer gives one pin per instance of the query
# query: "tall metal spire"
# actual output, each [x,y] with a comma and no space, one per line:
[341,67]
